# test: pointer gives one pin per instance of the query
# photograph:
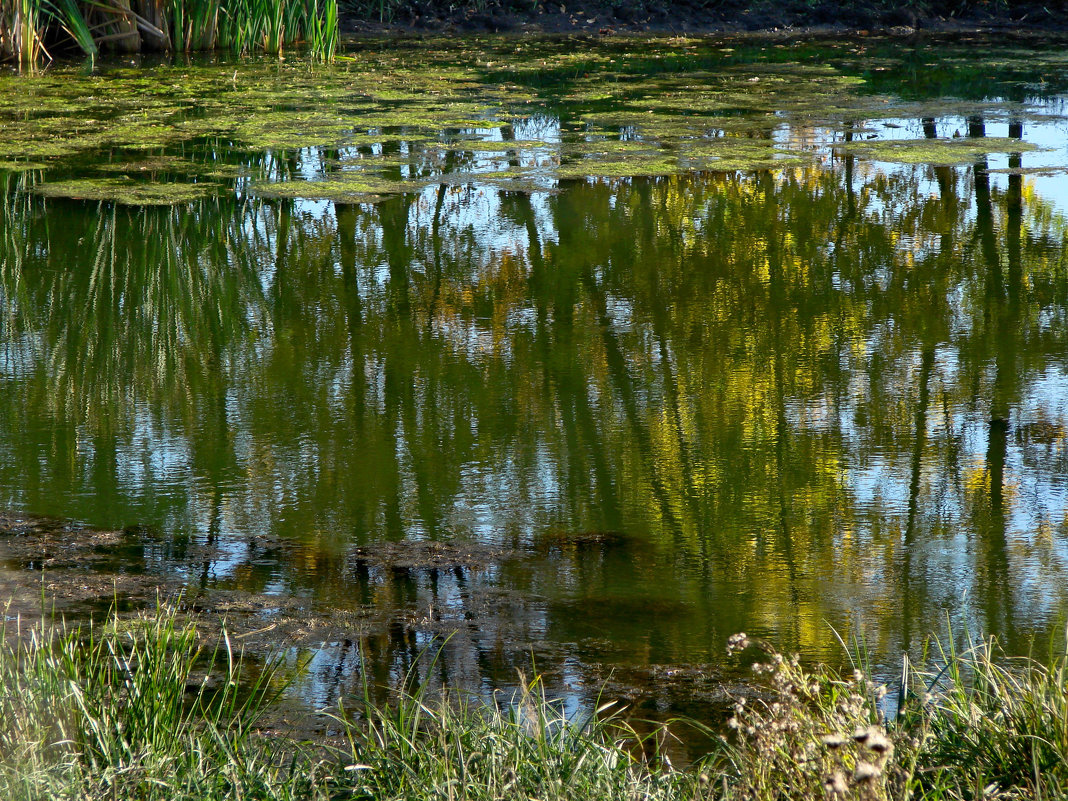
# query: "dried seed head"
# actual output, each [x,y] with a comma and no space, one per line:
[737,642]
[836,784]
[878,742]
[865,772]
[833,741]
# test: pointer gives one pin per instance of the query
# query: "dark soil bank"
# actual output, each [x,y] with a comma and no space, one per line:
[712,16]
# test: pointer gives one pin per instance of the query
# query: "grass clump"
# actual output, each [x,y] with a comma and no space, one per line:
[120,711]
[968,724]
[138,709]
[457,748]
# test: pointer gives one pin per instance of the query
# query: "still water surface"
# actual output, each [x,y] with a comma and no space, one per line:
[667,399]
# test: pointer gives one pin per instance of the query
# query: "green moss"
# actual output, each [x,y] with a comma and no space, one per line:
[126,192]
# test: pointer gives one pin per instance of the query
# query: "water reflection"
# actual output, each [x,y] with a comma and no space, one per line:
[677,407]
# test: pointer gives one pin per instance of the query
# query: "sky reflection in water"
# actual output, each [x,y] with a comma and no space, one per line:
[676,406]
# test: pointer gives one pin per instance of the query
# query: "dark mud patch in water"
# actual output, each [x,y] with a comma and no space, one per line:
[62,565]
[71,566]
[427,554]
[51,566]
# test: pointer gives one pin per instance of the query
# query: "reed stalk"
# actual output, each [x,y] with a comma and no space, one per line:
[241,26]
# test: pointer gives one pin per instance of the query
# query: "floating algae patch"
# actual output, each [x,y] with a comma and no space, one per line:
[494,146]
[292,130]
[349,188]
[611,146]
[934,151]
[730,154]
[172,165]
[656,104]
[634,166]
[34,148]
[126,192]
[372,139]
[1048,170]
[369,162]
[8,165]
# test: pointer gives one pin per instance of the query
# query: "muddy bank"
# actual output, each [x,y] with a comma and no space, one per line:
[603,17]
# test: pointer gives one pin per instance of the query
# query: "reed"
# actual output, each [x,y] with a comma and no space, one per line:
[242,26]
[21,37]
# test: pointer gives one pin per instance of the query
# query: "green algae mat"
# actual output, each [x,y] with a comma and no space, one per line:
[393,116]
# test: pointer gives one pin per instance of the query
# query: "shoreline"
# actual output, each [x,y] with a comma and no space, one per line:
[600,18]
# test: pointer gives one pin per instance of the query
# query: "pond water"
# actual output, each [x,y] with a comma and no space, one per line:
[585,353]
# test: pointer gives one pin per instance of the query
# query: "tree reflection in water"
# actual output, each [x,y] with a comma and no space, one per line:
[684,406]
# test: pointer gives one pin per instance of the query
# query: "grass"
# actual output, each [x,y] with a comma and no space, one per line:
[138,709]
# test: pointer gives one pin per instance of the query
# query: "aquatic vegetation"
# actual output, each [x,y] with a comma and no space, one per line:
[12,165]
[446,110]
[344,190]
[663,348]
[935,151]
[242,26]
[126,191]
